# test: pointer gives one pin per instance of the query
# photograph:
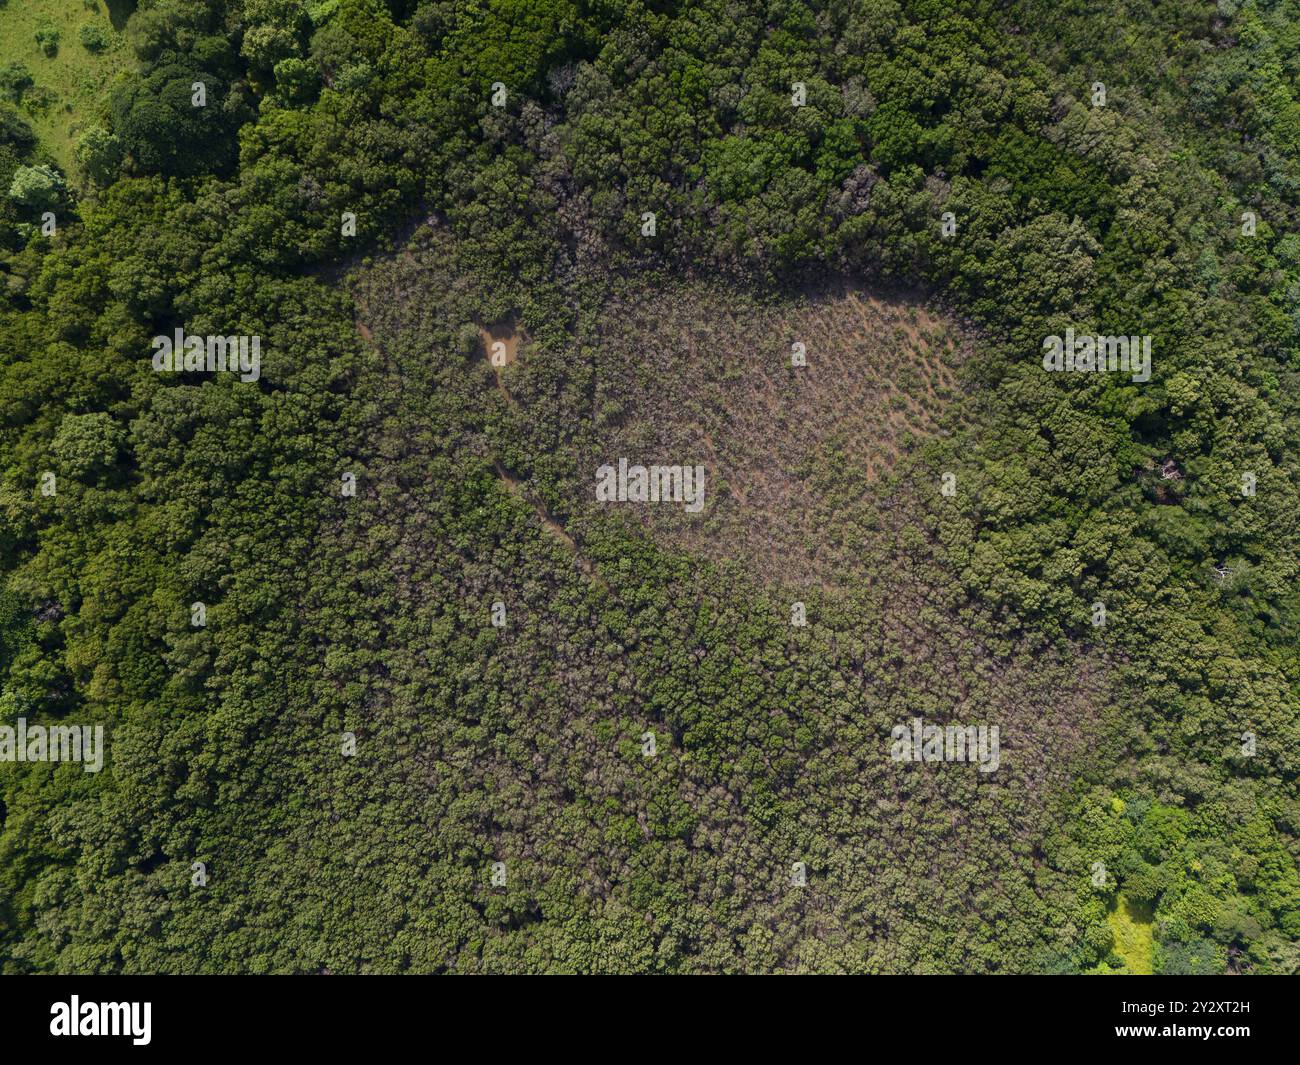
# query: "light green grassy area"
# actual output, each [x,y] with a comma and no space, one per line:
[1134,929]
[69,86]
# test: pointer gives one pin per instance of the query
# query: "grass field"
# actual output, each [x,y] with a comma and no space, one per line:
[1134,936]
[69,85]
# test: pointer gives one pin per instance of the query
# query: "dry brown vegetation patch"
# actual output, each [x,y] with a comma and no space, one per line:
[797,457]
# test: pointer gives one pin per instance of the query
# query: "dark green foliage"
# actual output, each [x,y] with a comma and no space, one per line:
[15,131]
[1045,178]
[15,79]
[165,129]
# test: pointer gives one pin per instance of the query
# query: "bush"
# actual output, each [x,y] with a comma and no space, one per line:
[48,38]
[93,37]
[15,79]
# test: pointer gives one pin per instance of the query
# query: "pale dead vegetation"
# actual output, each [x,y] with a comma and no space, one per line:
[798,458]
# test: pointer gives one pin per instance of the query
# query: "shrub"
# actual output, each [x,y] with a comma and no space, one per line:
[48,38]
[93,37]
[15,79]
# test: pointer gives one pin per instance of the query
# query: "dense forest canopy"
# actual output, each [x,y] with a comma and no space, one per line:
[375,667]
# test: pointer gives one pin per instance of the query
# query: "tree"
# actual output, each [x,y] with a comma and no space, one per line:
[99,154]
[36,187]
[87,444]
